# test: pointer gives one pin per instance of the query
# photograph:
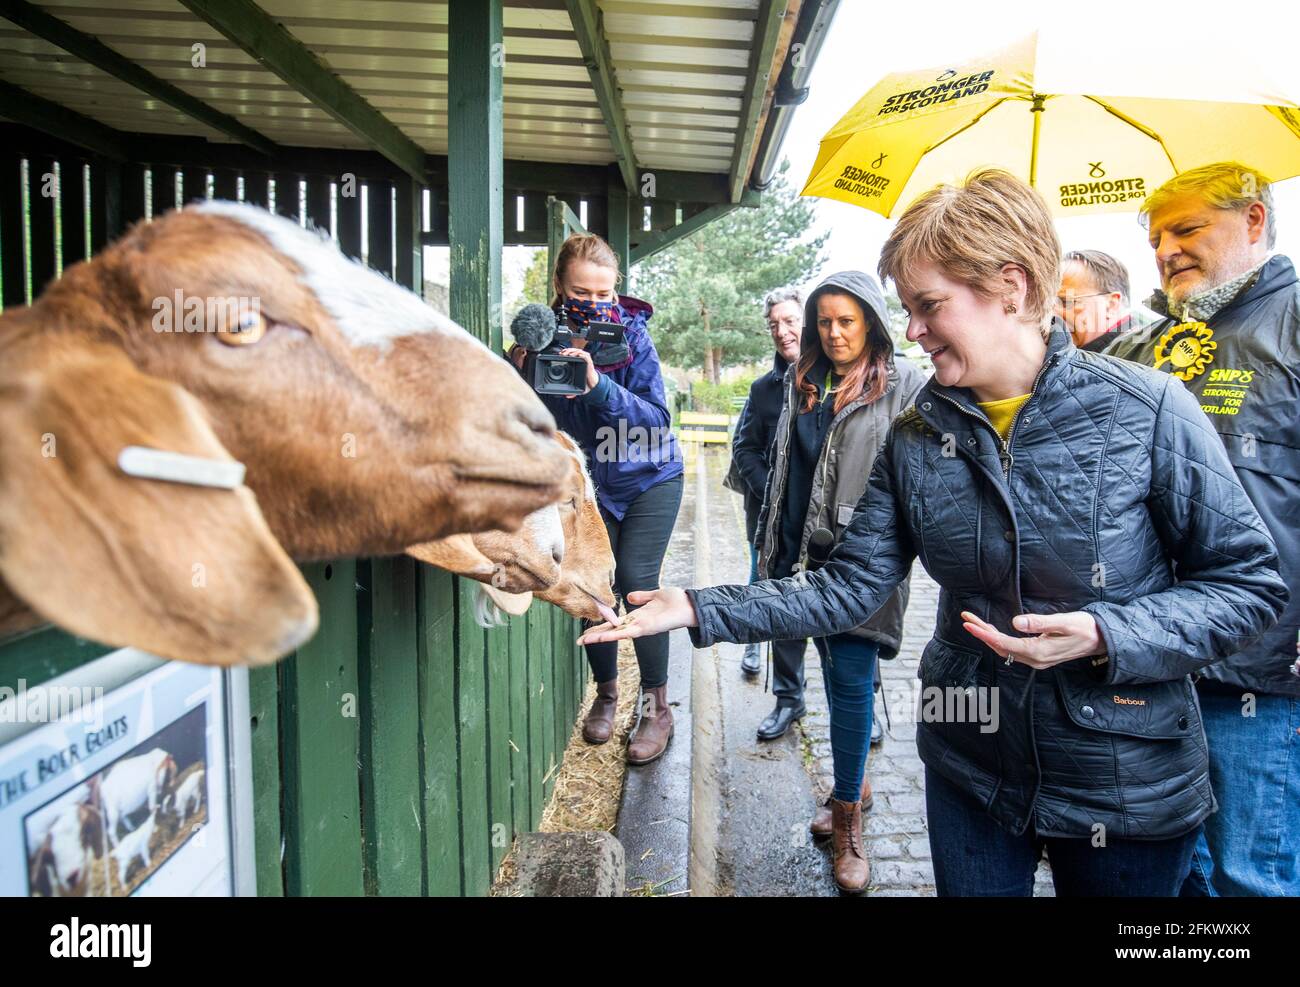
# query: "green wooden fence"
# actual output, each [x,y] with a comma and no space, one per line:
[400,750]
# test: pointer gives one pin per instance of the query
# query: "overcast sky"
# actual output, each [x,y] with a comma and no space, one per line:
[869,40]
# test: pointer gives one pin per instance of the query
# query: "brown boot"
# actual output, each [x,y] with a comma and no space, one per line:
[848,854]
[598,725]
[650,739]
[820,826]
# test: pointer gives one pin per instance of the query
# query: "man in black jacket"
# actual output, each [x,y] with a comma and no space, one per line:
[751,448]
[1093,299]
[1231,332]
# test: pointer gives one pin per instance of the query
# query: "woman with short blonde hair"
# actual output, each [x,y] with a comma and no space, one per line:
[1093,547]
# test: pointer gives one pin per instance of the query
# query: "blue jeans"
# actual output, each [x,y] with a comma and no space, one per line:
[753,564]
[849,672]
[974,856]
[1251,846]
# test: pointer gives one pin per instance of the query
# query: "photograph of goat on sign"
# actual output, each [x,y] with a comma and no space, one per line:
[124,794]
[108,835]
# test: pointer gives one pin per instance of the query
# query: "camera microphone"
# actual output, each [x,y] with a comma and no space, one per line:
[533,327]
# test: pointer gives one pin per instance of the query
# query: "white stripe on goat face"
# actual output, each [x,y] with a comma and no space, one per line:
[544,531]
[369,309]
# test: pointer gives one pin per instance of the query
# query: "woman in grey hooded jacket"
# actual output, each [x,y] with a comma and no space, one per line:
[840,397]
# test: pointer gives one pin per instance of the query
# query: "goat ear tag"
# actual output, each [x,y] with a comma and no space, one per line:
[176,467]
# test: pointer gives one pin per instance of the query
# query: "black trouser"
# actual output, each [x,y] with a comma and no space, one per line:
[788,672]
[639,542]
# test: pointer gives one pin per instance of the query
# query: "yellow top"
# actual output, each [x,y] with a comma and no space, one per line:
[1003,413]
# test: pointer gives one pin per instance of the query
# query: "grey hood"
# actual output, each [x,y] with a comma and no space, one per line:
[866,290]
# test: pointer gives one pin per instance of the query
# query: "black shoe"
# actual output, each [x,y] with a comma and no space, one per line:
[749,664]
[779,720]
[877,732]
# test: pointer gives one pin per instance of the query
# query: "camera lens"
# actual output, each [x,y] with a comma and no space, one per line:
[557,373]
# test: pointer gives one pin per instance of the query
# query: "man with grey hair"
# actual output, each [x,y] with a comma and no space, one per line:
[1231,332]
[1093,299]
[783,312]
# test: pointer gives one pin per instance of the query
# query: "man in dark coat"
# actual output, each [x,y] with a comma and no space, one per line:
[1093,301]
[783,310]
[1231,332]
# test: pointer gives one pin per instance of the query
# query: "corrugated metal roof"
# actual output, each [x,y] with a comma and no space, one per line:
[682,67]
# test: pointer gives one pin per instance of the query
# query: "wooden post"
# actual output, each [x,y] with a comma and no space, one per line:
[11,231]
[475,171]
[225,184]
[475,165]
[106,177]
[379,223]
[164,189]
[619,227]
[409,262]
[194,185]
[319,201]
[257,188]
[348,216]
[286,195]
[41,220]
[72,212]
[133,199]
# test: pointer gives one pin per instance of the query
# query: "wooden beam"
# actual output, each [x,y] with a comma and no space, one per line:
[619,229]
[36,21]
[767,30]
[544,177]
[27,108]
[268,41]
[475,171]
[589,26]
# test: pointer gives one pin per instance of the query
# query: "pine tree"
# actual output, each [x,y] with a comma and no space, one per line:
[708,288]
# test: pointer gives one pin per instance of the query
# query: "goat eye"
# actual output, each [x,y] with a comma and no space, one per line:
[247,330]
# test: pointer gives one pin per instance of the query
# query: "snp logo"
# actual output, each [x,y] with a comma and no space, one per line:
[132,941]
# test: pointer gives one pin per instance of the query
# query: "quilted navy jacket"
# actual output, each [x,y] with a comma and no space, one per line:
[1113,495]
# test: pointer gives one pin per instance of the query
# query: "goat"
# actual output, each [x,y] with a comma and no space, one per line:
[579,582]
[133,845]
[343,395]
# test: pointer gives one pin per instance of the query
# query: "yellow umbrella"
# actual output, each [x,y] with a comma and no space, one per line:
[1084,146]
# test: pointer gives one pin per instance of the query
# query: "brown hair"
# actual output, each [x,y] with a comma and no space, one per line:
[869,375]
[582,246]
[1107,273]
[973,229]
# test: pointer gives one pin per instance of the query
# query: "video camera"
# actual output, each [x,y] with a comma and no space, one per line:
[543,333]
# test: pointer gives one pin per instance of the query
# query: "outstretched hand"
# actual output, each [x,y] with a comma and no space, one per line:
[1061,637]
[658,611]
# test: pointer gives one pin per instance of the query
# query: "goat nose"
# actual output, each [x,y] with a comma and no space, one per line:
[557,553]
[534,417]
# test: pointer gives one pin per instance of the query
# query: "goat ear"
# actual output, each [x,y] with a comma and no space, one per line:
[183,571]
[456,554]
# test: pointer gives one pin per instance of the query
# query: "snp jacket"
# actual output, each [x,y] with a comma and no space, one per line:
[1243,368]
[1112,480]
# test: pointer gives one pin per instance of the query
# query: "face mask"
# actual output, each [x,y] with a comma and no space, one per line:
[582,311]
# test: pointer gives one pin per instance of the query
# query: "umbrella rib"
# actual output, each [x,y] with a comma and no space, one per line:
[970,123]
[1140,127]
